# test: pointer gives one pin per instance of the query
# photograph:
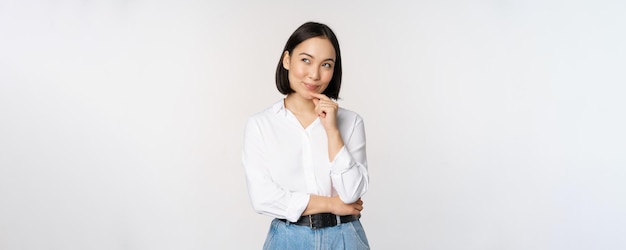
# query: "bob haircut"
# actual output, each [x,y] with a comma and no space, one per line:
[304,32]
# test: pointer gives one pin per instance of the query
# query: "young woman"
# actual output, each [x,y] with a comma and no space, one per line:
[304,156]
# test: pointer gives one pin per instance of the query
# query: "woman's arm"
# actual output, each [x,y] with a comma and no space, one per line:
[267,197]
[346,152]
[348,169]
[322,204]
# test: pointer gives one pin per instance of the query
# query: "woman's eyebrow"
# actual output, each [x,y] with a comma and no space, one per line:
[306,54]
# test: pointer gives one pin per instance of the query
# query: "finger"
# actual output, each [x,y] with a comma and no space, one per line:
[325,99]
[318,107]
[328,104]
[319,110]
[321,96]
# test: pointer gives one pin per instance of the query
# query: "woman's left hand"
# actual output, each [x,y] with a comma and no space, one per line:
[326,109]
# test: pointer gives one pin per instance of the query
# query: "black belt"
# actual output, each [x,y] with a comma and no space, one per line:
[323,220]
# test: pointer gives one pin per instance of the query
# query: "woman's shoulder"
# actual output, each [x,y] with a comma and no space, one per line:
[347,114]
[269,112]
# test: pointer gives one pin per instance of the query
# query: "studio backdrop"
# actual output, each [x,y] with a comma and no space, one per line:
[490,124]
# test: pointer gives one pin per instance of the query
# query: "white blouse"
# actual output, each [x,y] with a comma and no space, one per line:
[285,162]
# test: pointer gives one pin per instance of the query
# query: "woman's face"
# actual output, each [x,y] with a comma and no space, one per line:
[311,66]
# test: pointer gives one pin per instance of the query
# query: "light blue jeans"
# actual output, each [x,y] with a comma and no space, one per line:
[285,235]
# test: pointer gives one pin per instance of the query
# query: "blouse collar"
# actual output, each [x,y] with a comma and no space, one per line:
[279,107]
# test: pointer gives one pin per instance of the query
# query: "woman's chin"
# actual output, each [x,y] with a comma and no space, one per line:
[308,95]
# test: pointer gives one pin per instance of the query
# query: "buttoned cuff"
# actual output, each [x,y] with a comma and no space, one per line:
[297,205]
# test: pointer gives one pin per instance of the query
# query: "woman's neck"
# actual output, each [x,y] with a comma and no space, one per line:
[298,105]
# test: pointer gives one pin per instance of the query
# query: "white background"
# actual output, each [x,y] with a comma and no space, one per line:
[491,124]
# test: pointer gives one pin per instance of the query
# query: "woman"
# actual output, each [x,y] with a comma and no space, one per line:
[304,157]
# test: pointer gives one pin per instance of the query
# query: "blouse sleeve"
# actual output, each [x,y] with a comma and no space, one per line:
[267,197]
[348,170]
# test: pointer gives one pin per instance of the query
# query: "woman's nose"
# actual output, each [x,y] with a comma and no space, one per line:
[314,73]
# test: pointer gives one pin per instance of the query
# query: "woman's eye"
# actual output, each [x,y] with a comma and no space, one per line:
[326,65]
[306,60]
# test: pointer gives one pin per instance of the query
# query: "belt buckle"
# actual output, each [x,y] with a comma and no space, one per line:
[322,220]
[311,222]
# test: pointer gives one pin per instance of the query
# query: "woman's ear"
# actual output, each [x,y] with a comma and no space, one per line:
[286,60]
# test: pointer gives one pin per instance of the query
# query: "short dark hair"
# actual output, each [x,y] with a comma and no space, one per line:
[304,32]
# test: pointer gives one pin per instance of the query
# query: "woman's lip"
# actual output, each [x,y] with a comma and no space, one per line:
[310,86]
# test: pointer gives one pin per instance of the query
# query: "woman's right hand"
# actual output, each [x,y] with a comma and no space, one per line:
[339,208]
[323,204]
